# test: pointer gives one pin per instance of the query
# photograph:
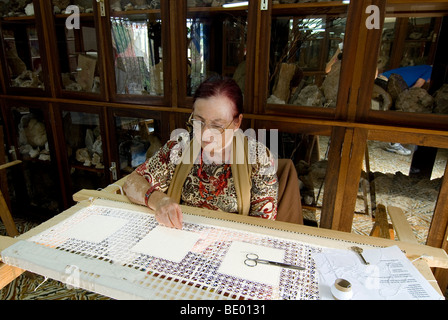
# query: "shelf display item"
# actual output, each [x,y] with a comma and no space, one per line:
[305,60]
[138,54]
[77,47]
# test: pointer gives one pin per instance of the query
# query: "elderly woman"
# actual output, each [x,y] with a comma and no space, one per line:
[219,169]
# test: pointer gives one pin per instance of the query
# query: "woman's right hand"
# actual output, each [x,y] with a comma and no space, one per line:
[168,213]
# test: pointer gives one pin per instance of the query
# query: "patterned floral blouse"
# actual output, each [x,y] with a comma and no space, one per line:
[212,186]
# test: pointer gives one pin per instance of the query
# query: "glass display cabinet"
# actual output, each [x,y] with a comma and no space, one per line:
[409,91]
[84,136]
[408,41]
[138,57]
[38,180]
[77,48]
[23,52]
[408,46]
[216,41]
[136,136]
[306,54]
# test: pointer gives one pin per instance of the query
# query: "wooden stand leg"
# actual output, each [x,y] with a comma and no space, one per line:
[6,217]
[8,273]
[382,228]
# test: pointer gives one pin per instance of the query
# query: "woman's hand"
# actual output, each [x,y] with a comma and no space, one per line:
[168,213]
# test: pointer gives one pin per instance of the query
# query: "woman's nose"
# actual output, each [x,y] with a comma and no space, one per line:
[207,136]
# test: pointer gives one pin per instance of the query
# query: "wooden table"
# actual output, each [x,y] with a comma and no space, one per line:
[316,236]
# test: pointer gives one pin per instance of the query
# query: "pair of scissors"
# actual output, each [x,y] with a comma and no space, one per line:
[252,260]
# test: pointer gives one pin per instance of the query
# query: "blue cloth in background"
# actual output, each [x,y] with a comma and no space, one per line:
[411,74]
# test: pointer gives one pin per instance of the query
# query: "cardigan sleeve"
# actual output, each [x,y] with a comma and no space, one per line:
[159,169]
[264,192]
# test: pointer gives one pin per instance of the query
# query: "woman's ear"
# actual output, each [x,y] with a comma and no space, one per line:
[239,121]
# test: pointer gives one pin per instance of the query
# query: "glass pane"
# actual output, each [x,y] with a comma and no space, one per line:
[118,6]
[305,58]
[216,43]
[312,174]
[32,135]
[406,78]
[36,185]
[404,176]
[138,54]
[84,149]
[77,48]
[309,154]
[22,53]
[137,141]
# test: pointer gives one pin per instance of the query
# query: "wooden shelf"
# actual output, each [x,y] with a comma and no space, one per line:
[134,12]
[310,8]
[20,18]
[28,159]
[85,168]
[66,15]
[217,9]
[408,8]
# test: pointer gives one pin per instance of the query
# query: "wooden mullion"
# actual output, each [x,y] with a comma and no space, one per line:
[108,59]
[169,63]
[359,61]
[102,33]
[257,58]
[398,45]
[48,50]
[178,42]
[60,151]
[349,60]
[366,73]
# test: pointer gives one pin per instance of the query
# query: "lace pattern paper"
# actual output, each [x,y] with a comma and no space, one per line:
[117,247]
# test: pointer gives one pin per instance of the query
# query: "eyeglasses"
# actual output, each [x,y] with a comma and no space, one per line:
[198,124]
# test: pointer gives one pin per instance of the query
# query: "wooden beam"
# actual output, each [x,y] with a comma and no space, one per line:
[409,138]
[87,195]
[343,174]
[5,216]
[331,178]
[438,231]
[8,273]
[381,226]
[342,178]
[9,164]
[355,159]
[401,225]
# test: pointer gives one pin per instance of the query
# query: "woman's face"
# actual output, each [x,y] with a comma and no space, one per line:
[214,123]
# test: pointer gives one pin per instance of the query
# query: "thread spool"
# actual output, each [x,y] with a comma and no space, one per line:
[342,289]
